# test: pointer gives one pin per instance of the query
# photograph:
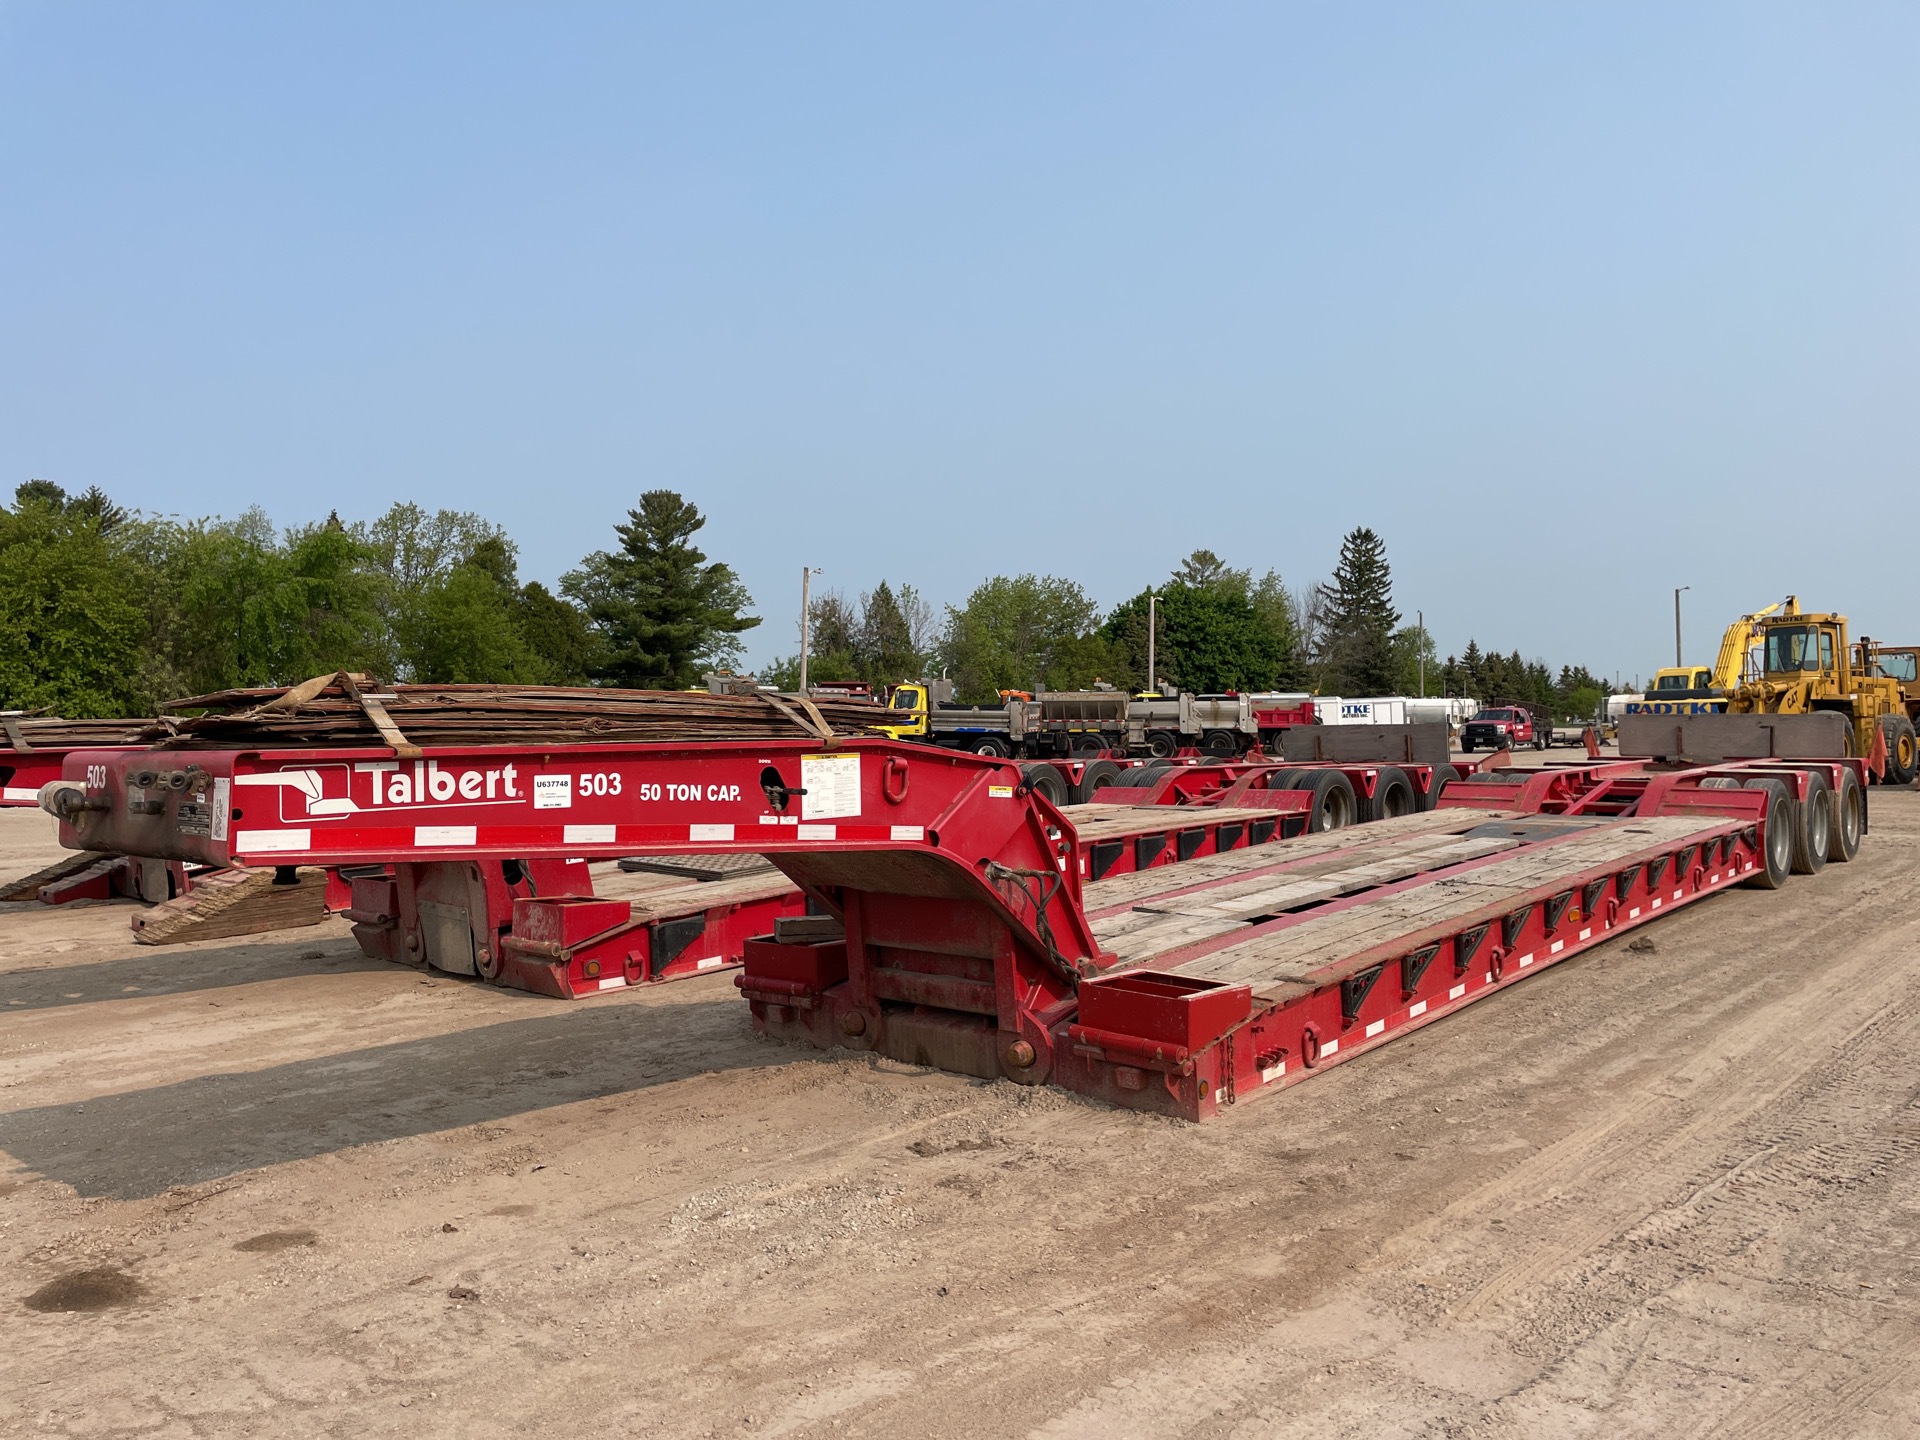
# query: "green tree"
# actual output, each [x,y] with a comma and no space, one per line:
[73,609]
[663,612]
[558,642]
[1212,639]
[1358,656]
[1023,633]
[1413,649]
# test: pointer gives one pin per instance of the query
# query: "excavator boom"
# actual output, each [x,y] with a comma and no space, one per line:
[1740,639]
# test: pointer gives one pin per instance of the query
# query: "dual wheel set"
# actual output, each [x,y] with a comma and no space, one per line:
[1803,835]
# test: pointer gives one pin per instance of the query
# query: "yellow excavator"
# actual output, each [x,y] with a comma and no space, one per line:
[1696,690]
[1806,666]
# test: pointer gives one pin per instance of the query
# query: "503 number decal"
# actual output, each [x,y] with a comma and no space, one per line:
[606,782]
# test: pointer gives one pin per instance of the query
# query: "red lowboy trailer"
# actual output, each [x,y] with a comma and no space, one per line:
[958,920]
[517,906]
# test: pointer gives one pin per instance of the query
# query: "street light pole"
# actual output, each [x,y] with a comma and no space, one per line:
[1677,658]
[1420,617]
[1153,628]
[806,615]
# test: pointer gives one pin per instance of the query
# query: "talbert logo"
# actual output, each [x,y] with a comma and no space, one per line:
[331,792]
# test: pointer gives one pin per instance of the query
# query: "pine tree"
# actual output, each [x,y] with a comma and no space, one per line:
[1359,655]
[663,611]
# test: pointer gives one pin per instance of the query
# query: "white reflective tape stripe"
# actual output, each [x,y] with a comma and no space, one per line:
[710,962]
[426,835]
[613,982]
[1456,992]
[1375,1028]
[1418,1008]
[1273,1072]
[769,819]
[1654,904]
[1525,960]
[1556,947]
[817,832]
[1679,894]
[19,792]
[1714,878]
[1329,1047]
[1634,913]
[919,832]
[1587,934]
[587,834]
[263,841]
[709,832]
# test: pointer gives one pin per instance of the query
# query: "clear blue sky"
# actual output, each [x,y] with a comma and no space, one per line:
[1573,304]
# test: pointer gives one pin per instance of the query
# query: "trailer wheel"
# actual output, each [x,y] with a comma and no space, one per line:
[1162,744]
[1903,751]
[1779,835]
[1097,775]
[1815,835]
[1334,807]
[1849,818]
[1393,795]
[991,745]
[1443,776]
[1043,779]
[1139,777]
[1220,743]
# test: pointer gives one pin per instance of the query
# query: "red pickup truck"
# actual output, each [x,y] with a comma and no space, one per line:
[1506,727]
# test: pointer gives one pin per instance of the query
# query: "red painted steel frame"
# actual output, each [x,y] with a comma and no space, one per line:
[23,772]
[966,941]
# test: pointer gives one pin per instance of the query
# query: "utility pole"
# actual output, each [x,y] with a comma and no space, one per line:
[806,615]
[1420,617]
[1678,659]
[1153,628]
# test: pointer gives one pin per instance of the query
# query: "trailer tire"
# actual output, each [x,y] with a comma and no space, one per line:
[1043,779]
[1334,807]
[1393,795]
[1139,777]
[1443,776]
[990,745]
[1903,750]
[1162,744]
[1849,818]
[1780,834]
[1815,831]
[1097,775]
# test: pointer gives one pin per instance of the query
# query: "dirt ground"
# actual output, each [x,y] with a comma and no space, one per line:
[273,1188]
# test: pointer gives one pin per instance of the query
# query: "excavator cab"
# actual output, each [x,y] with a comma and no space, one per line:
[1799,651]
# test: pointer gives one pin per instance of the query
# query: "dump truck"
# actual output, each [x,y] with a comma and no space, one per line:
[1066,722]
[1806,666]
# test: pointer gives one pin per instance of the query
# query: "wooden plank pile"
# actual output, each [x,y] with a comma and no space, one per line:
[226,903]
[28,887]
[54,732]
[346,710]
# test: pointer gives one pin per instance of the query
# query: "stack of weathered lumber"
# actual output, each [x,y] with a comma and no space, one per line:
[51,732]
[343,710]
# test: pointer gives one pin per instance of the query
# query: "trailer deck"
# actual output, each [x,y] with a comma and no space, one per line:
[1167,957]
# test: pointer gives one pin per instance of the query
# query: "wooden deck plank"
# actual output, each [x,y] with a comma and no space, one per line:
[672,901]
[1141,885]
[1271,896]
[1120,822]
[1287,955]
